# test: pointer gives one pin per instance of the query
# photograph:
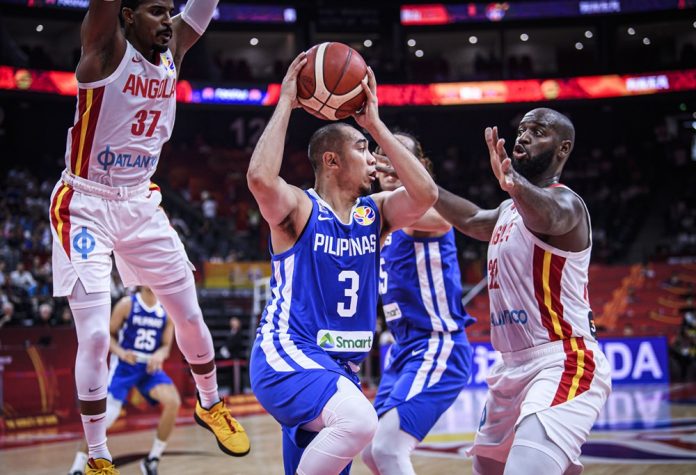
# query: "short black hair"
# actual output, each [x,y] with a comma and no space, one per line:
[329,138]
[130,4]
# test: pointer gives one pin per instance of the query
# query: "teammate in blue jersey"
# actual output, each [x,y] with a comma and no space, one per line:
[430,361]
[141,339]
[318,325]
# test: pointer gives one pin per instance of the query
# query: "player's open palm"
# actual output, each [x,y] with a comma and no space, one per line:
[288,88]
[500,162]
[369,115]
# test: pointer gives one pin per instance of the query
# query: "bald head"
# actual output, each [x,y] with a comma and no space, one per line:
[329,138]
[554,120]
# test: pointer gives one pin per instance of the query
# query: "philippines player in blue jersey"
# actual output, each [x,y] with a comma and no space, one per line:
[141,339]
[430,361]
[318,325]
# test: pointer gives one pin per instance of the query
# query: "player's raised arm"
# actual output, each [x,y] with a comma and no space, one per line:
[404,205]
[278,201]
[103,43]
[190,25]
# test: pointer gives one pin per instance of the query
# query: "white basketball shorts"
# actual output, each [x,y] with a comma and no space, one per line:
[565,383]
[90,221]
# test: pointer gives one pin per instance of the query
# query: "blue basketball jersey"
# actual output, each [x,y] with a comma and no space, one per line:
[142,331]
[420,284]
[324,291]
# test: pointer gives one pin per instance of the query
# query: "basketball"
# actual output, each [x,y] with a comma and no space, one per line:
[328,85]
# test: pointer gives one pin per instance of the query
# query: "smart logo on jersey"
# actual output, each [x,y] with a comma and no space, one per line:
[345,341]
[364,215]
[327,341]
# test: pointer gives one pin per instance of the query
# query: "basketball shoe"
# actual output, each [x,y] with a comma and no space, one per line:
[231,436]
[100,467]
[149,466]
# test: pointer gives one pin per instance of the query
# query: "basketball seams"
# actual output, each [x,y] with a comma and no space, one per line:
[346,63]
[323,101]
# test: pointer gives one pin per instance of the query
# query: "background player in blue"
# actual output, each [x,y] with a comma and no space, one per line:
[141,339]
[430,361]
[319,323]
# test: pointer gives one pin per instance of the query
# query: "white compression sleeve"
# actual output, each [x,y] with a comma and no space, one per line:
[198,13]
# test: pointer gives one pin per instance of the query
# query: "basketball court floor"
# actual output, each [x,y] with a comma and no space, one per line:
[642,430]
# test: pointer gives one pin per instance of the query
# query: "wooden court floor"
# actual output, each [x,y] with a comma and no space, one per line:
[641,431]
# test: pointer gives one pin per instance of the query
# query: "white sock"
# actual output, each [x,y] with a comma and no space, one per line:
[207,388]
[95,433]
[79,463]
[158,447]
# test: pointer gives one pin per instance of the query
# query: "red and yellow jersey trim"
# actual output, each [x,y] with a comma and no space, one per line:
[60,215]
[89,103]
[547,275]
[578,372]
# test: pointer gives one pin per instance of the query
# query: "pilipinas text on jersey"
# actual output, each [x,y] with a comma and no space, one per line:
[420,283]
[143,329]
[324,290]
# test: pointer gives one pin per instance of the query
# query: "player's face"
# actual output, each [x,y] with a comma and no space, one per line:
[358,162]
[153,23]
[535,146]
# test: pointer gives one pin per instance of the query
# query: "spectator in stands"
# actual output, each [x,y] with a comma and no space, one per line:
[46,316]
[683,349]
[233,349]
[208,205]
[66,317]
[22,278]
[7,314]
[234,344]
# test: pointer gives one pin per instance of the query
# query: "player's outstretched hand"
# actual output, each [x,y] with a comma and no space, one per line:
[500,162]
[369,114]
[288,89]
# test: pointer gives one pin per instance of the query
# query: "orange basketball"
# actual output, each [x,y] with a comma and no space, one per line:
[328,85]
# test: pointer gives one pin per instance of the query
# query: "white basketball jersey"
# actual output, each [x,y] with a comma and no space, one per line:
[122,121]
[537,293]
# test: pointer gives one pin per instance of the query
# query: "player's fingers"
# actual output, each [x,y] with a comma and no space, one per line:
[371,80]
[368,92]
[385,169]
[501,149]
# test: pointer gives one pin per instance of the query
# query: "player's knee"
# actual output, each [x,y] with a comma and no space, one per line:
[383,449]
[171,400]
[362,424]
[96,342]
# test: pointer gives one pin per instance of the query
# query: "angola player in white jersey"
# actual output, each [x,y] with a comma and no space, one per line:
[104,203]
[546,393]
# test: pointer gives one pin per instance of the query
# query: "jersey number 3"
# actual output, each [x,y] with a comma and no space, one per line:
[351,292]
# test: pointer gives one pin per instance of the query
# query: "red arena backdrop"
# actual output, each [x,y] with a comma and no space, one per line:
[436,94]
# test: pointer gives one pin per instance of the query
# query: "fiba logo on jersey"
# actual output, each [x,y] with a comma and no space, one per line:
[364,215]
[166,64]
